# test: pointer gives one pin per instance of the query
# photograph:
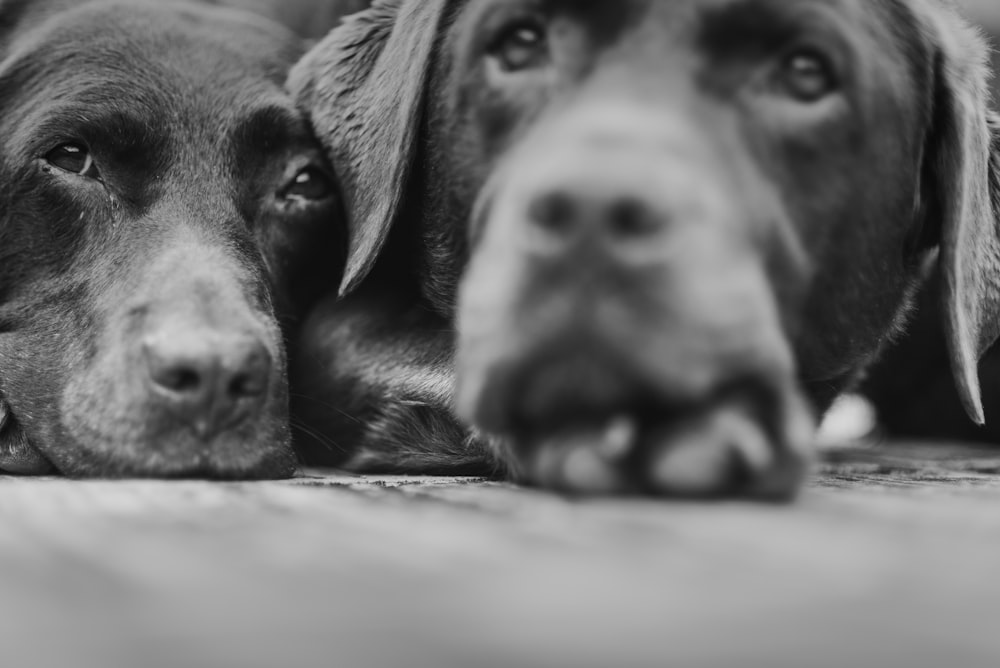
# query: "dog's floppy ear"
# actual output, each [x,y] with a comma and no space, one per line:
[964,168]
[363,87]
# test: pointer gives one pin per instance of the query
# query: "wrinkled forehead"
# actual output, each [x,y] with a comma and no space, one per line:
[202,42]
[680,18]
[173,48]
[136,70]
[709,28]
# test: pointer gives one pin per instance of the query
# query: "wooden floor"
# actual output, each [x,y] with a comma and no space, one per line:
[891,558]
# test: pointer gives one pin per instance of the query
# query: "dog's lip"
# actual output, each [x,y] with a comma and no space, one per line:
[274,462]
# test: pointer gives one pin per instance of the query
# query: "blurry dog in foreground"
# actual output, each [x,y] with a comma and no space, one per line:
[639,245]
[162,206]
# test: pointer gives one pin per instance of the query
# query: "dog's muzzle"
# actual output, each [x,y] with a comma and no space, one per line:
[617,322]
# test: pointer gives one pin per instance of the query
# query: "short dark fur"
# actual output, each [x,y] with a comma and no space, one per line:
[185,235]
[309,19]
[853,210]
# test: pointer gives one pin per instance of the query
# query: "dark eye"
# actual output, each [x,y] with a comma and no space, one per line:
[75,159]
[808,76]
[521,46]
[309,184]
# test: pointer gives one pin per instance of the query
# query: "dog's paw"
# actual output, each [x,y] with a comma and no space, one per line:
[17,457]
[587,459]
[726,450]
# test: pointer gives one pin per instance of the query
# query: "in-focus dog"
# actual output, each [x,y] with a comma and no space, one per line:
[668,234]
[163,206]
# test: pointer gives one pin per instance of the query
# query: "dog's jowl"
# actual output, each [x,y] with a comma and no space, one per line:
[163,208]
[668,233]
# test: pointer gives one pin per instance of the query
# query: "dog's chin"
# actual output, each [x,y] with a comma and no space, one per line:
[88,445]
[230,456]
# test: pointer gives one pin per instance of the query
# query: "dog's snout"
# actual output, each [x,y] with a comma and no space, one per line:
[612,192]
[209,380]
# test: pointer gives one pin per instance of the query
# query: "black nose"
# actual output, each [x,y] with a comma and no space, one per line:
[210,380]
[567,214]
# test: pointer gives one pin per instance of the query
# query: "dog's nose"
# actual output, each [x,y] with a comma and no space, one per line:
[210,380]
[566,213]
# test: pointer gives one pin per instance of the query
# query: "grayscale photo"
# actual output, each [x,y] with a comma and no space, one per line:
[495,333]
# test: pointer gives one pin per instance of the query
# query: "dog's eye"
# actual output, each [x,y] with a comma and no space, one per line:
[309,184]
[521,46]
[75,159]
[808,76]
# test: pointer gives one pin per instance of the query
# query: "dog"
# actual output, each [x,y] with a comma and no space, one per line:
[164,206]
[639,247]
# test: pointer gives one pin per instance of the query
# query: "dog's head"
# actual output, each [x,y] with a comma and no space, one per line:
[672,220]
[163,206]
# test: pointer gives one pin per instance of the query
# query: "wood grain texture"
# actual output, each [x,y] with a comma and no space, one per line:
[889,559]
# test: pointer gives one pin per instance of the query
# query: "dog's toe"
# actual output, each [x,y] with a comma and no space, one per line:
[726,451]
[710,455]
[16,454]
[585,460]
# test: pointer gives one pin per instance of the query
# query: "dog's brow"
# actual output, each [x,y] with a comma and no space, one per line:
[266,127]
[114,129]
[610,16]
[755,26]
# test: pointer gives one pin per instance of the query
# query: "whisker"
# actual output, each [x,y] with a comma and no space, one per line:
[327,405]
[324,440]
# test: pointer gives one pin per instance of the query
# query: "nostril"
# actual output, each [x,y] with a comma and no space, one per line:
[629,217]
[179,374]
[554,212]
[247,384]
[179,379]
